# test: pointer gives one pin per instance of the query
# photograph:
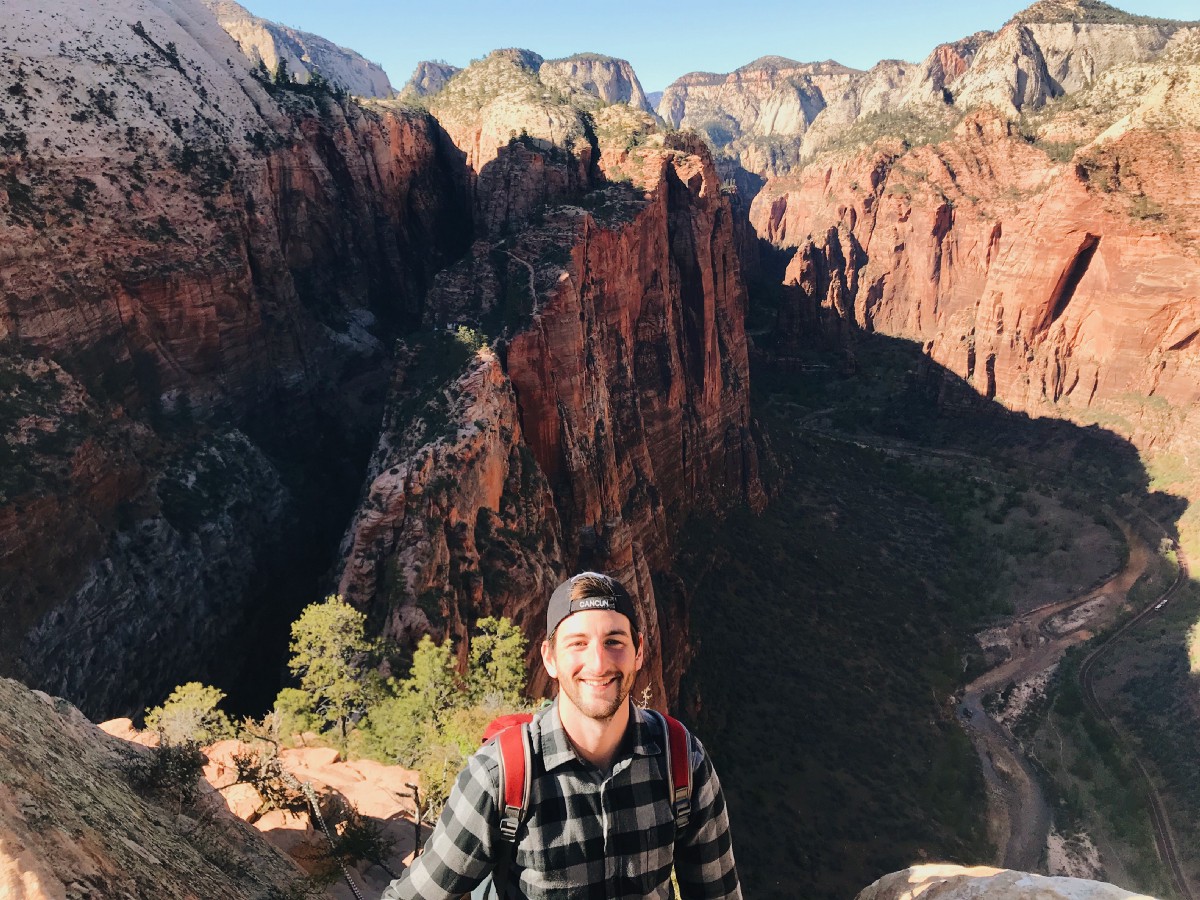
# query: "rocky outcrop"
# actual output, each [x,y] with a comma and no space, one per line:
[71,825]
[500,98]
[617,404]
[947,882]
[735,101]
[303,54]
[1022,275]
[200,276]
[428,78]
[775,114]
[594,75]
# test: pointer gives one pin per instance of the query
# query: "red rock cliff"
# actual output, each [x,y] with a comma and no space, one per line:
[199,274]
[622,407]
[1058,288]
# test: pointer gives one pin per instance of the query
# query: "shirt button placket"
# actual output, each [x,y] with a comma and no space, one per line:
[610,861]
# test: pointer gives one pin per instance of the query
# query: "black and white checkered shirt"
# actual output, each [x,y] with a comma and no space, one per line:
[587,834]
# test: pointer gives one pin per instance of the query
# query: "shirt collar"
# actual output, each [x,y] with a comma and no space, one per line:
[557,750]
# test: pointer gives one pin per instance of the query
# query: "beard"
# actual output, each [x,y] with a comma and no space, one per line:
[601,705]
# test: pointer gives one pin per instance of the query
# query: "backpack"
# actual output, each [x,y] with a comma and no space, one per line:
[512,736]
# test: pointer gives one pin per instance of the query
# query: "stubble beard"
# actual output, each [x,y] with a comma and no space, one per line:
[596,708]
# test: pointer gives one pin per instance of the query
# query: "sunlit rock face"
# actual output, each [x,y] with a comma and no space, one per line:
[592,74]
[616,405]
[428,78]
[200,275]
[303,54]
[772,116]
[947,882]
[1048,285]
[71,824]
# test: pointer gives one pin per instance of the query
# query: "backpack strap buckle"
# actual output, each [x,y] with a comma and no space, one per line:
[510,822]
[683,805]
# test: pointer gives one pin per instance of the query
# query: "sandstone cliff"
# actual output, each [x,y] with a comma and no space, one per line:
[1065,288]
[775,114]
[303,53]
[616,402]
[428,78]
[594,75]
[200,274]
[72,826]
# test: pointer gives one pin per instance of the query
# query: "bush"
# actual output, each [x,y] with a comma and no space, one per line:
[190,715]
[170,772]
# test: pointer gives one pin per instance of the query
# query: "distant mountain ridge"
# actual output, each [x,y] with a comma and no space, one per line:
[772,114]
[304,53]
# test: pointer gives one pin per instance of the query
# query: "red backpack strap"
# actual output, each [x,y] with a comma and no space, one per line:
[514,778]
[679,757]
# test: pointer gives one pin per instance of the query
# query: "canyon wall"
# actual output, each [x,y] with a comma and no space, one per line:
[201,273]
[614,402]
[215,286]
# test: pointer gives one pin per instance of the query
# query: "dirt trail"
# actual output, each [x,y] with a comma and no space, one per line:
[1018,815]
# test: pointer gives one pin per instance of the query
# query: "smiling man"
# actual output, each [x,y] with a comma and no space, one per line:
[599,822]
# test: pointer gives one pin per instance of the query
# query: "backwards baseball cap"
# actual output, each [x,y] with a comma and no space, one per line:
[590,590]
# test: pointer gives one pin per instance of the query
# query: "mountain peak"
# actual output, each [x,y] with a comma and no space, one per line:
[1092,12]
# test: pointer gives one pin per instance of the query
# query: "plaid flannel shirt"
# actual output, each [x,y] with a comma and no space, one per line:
[586,834]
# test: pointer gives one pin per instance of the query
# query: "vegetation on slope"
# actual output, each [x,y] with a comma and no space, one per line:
[835,629]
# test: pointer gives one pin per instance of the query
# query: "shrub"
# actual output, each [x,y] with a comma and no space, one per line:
[190,715]
[170,772]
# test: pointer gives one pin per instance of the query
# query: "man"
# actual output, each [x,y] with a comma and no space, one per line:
[599,822]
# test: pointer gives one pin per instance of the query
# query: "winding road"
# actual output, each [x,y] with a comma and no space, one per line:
[1019,817]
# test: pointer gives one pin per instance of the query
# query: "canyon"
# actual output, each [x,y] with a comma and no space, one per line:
[264,341]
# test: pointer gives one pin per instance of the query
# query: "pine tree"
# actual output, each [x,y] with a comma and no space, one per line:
[331,657]
[497,662]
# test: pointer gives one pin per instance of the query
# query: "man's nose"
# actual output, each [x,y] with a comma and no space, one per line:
[596,657]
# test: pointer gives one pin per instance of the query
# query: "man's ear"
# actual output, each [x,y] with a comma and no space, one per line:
[548,660]
[641,653]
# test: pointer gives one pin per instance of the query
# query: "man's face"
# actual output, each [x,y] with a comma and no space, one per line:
[594,659]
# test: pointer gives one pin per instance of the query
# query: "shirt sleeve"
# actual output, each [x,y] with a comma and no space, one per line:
[704,850]
[461,851]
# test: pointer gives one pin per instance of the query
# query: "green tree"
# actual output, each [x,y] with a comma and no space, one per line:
[433,681]
[497,662]
[282,77]
[190,715]
[292,714]
[331,657]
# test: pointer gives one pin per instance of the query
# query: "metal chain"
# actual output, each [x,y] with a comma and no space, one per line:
[311,796]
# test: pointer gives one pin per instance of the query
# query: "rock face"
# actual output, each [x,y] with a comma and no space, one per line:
[1058,288]
[745,100]
[495,100]
[198,269]
[72,826]
[609,80]
[775,114]
[303,53]
[618,404]
[428,78]
[946,882]
[1022,275]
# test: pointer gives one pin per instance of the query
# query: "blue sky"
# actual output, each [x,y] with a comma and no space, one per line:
[662,39]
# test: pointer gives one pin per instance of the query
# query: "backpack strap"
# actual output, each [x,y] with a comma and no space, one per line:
[679,767]
[515,764]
